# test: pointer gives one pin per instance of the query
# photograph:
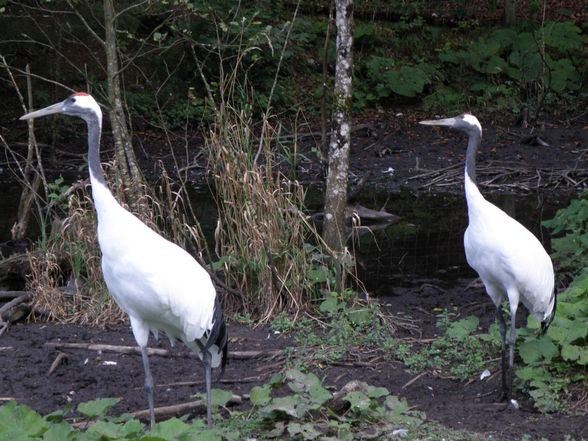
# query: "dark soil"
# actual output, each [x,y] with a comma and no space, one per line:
[89,374]
[381,142]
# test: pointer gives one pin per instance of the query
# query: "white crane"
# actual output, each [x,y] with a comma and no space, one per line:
[157,283]
[510,260]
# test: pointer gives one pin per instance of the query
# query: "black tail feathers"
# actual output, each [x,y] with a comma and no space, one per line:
[546,323]
[218,335]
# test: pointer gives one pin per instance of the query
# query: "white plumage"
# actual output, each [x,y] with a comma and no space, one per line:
[510,261]
[157,283]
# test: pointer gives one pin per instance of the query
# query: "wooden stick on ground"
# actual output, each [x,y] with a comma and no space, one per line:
[61,356]
[180,409]
[237,355]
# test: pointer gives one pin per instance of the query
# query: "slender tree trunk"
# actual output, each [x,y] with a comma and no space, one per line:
[336,191]
[324,119]
[126,162]
[510,7]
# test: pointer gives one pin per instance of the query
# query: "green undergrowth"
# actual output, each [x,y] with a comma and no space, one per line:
[293,405]
[459,352]
[555,366]
[546,368]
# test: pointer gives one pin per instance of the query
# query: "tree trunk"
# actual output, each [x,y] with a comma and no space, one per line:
[336,191]
[510,7]
[128,171]
[324,92]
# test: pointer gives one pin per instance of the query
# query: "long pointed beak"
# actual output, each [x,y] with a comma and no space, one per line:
[54,108]
[450,122]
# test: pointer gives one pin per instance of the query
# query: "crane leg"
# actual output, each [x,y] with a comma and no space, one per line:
[504,366]
[512,338]
[148,384]
[207,376]
[208,381]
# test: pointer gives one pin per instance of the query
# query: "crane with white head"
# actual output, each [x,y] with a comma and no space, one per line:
[158,284]
[509,259]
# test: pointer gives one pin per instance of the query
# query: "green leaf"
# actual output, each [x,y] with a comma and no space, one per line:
[108,430]
[460,329]
[260,396]
[19,422]
[170,429]
[330,305]
[97,408]
[535,350]
[58,432]
[360,317]
[318,394]
[377,392]
[570,352]
[220,397]
[290,405]
[307,431]
[529,373]
[358,400]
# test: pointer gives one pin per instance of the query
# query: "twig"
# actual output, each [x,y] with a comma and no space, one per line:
[61,356]
[253,379]
[415,379]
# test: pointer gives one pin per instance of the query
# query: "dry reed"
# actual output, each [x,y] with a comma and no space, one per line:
[263,236]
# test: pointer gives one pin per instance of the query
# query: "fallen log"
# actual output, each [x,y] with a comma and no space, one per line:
[12,294]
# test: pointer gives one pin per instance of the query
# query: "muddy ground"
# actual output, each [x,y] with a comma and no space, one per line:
[381,143]
[88,374]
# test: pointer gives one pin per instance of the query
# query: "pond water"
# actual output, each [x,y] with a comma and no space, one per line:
[426,243]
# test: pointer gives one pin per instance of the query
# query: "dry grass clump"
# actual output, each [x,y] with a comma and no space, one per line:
[65,271]
[263,238]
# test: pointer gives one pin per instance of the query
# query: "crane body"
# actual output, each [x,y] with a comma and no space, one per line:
[509,259]
[158,284]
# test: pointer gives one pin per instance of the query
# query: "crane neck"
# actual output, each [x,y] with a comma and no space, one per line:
[473,196]
[473,144]
[104,201]
[94,130]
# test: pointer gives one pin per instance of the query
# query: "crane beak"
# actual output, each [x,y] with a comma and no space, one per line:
[54,108]
[449,122]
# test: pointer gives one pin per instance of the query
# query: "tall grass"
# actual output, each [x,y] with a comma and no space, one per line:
[263,238]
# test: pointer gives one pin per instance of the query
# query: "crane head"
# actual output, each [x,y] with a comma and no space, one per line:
[79,104]
[465,122]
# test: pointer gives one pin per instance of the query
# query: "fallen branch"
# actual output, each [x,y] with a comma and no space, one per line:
[253,379]
[414,380]
[180,409]
[13,294]
[236,355]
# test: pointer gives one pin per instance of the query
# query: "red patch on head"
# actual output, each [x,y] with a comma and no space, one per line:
[80,94]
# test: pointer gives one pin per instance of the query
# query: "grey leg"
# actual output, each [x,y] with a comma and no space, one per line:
[504,367]
[148,384]
[511,342]
[207,376]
